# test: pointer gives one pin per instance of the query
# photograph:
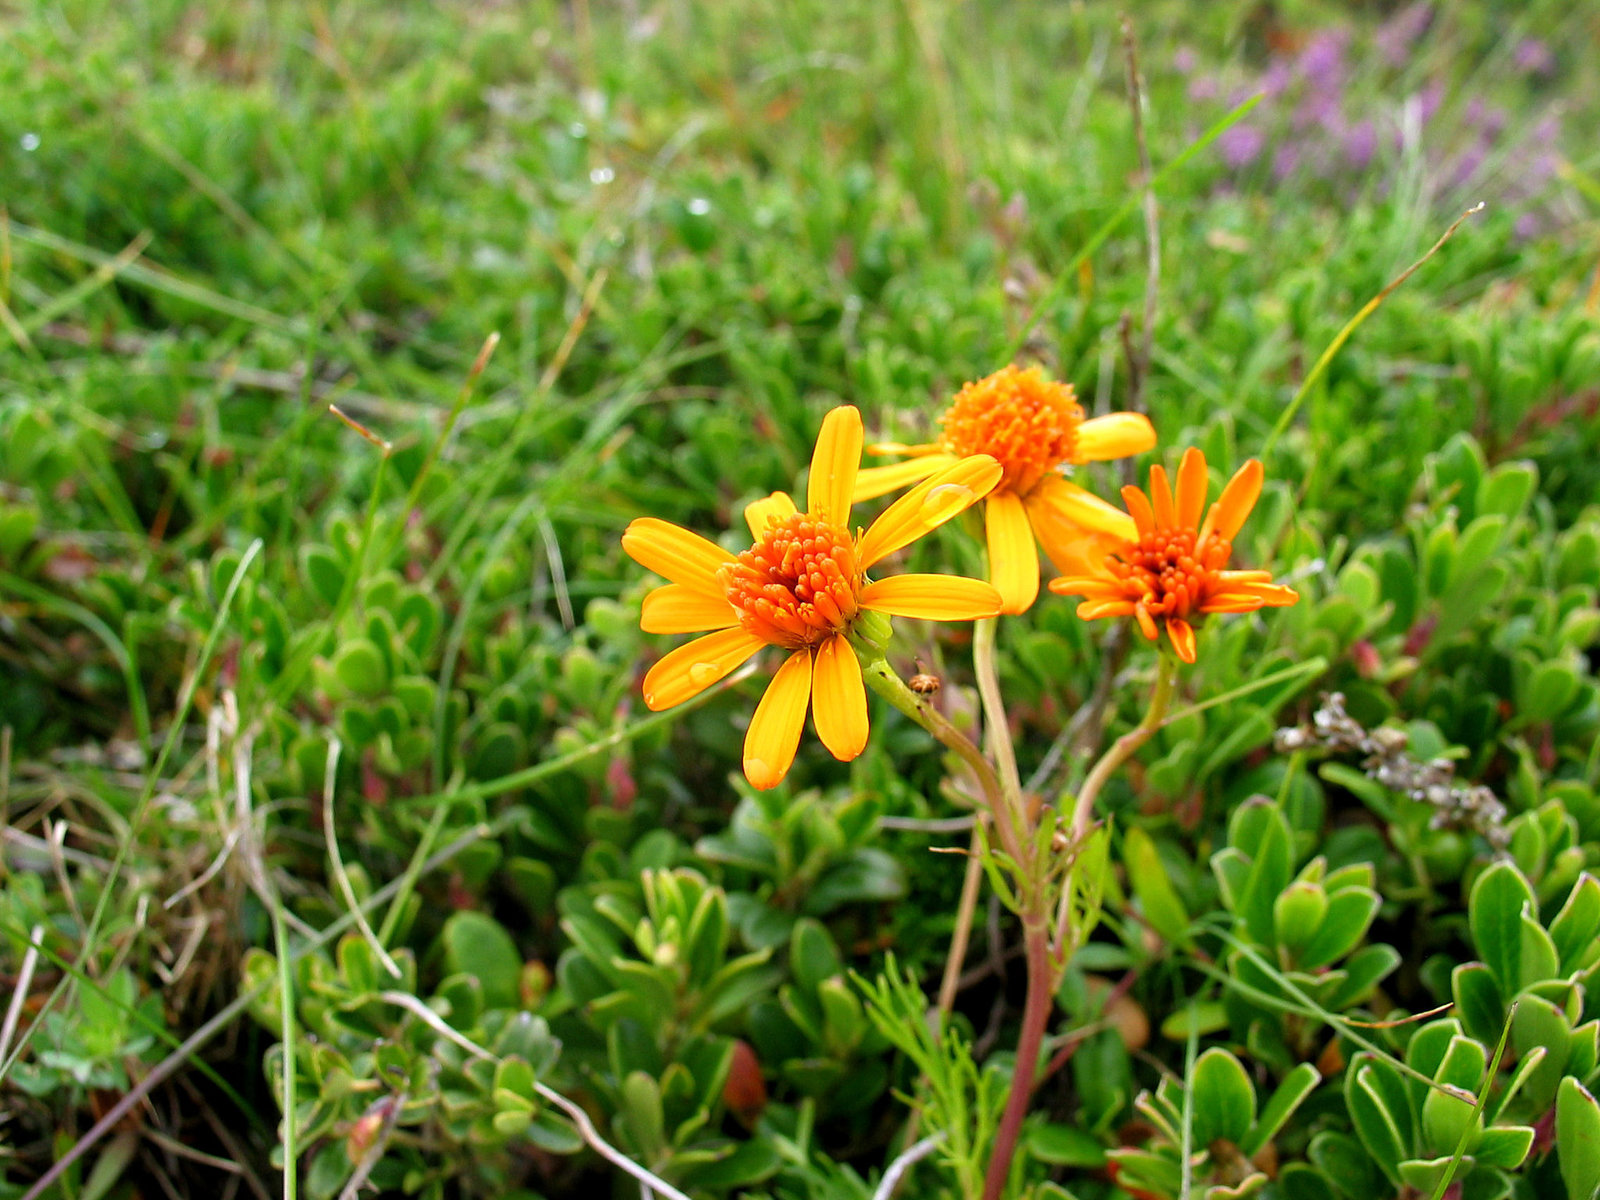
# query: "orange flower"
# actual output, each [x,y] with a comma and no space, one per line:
[802,586]
[1172,570]
[1031,426]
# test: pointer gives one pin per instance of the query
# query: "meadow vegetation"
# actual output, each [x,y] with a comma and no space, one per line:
[339,346]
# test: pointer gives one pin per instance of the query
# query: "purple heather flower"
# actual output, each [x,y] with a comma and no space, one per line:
[1321,63]
[1276,81]
[1360,144]
[1533,56]
[1285,160]
[1183,60]
[1319,109]
[1399,33]
[1241,145]
[1467,164]
[1429,100]
[1526,225]
[1203,88]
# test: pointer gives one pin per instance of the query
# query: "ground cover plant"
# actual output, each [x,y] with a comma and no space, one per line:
[448,454]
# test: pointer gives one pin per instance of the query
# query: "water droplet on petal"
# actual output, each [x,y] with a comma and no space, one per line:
[757,771]
[650,700]
[947,498]
[704,673]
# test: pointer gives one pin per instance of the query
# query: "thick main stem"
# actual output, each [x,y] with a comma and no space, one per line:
[1035,1017]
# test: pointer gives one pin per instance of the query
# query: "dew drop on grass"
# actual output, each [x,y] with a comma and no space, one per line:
[602,175]
[699,206]
[30,141]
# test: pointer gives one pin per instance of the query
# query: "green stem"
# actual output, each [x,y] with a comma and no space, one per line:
[1124,747]
[997,729]
[881,678]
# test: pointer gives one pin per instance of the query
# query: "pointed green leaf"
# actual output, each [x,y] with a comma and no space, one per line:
[1576,929]
[1350,914]
[1157,898]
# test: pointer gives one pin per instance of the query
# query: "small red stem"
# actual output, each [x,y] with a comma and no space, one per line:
[1035,1016]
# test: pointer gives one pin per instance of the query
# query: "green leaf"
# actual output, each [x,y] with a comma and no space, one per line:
[476,944]
[1507,489]
[1539,960]
[1207,1016]
[1297,914]
[360,668]
[1578,1140]
[1478,1001]
[324,573]
[1504,1146]
[1153,886]
[1345,1164]
[1539,1023]
[1301,1182]
[1271,868]
[1363,971]
[1547,691]
[1065,1146]
[1350,914]
[1575,929]
[1447,1115]
[813,957]
[1296,1086]
[1380,1111]
[1494,914]
[641,1115]
[1224,1098]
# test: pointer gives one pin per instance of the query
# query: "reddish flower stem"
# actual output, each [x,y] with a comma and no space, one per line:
[1035,1016]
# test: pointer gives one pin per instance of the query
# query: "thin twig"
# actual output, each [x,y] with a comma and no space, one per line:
[19,994]
[910,1158]
[329,786]
[586,1128]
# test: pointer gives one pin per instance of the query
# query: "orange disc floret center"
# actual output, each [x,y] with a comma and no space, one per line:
[1165,574]
[798,584]
[1027,422]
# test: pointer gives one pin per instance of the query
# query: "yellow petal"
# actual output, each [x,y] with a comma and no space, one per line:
[1182,635]
[880,481]
[916,450]
[774,733]
[1116,435]
[834,464]
[932,597]
[678,609]
[1090,610]
[1192,484]
[692,668]
[758,513]
[1076,528]
[928,505]
[1161,497]
[1013,557]
[1235,503]
[676,554]
[839,699]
